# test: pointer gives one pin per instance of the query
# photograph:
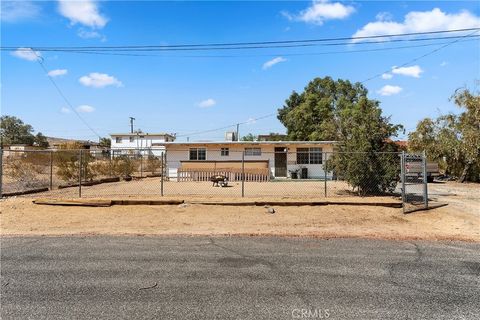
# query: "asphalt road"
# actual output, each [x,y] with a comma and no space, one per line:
[237,278]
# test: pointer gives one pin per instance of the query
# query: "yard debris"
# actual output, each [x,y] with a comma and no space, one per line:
[151,287]
[270,210]
[183,205]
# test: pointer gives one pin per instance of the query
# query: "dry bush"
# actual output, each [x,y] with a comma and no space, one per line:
[24,173]
[153,164]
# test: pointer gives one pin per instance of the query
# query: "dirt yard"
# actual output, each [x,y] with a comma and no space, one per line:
[152,187]
[460,220]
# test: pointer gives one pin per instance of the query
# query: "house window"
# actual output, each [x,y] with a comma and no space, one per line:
[131,139]
[198,154]
[302,156]
[118,140]
[253,151]
[225,152]
[309,155]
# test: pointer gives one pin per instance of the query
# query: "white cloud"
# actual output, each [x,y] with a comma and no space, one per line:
[271,63]
[389,90]
[413,71]
[420,21]
[91,34]
[26,54]
[387,76]
[57,72]
[85,108]
[207,103]
[84,12]
[13,11]
[65,110]
[443,64]
[320,11]
[99,80]
[384,16]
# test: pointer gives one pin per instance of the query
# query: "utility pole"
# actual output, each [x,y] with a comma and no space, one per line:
[131,124]
[238,138]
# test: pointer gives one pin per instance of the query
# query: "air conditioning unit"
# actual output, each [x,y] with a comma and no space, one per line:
[230,136]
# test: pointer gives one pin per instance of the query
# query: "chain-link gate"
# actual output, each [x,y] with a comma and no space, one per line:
[414,182]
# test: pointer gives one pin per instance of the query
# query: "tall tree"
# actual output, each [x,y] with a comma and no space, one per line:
[15,131]
[453,140]
[341,111]
[105,142]
[312,114]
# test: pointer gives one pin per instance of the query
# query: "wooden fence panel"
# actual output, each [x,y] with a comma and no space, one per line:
[251,174]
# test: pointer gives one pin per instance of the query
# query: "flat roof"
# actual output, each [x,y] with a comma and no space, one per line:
[244,142]
[141,134]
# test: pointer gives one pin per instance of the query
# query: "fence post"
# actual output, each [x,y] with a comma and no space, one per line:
[162,173]
[80,174]
[325,174]
[402,177]
[141,164]
[425,180]
[51,170]
[243,174]
[1,171]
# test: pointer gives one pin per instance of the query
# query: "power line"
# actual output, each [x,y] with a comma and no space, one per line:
[420,57]
[471,38]
[40,62]
[45,48]
[229,48]
[225,127]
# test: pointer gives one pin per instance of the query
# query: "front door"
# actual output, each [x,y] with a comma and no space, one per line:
[280,162]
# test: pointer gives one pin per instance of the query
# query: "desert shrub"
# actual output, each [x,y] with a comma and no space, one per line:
[123,166]
[154,164]
[67,163]
[24,173]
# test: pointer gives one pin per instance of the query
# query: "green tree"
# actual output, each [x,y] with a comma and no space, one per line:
[311,115]
[341,111]
[249,137]
[15,131]
[453,140]
[105,142]
[40,140]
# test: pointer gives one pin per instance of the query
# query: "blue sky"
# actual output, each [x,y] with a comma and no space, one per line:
[184,92]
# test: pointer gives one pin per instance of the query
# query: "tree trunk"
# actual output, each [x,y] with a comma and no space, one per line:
[463,177]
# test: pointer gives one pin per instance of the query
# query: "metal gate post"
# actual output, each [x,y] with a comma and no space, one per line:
[51,170]
[402,177]
[243,174]
[141,164]
[163,169]
[1,170]
[425,180]
[325,174]
[80,174]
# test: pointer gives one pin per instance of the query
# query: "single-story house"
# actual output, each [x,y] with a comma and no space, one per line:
[261,160]
[142,143]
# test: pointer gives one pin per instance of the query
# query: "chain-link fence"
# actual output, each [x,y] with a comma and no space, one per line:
[305,173]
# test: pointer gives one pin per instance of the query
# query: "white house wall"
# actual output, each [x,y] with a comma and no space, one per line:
[178,153]
[140,143]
